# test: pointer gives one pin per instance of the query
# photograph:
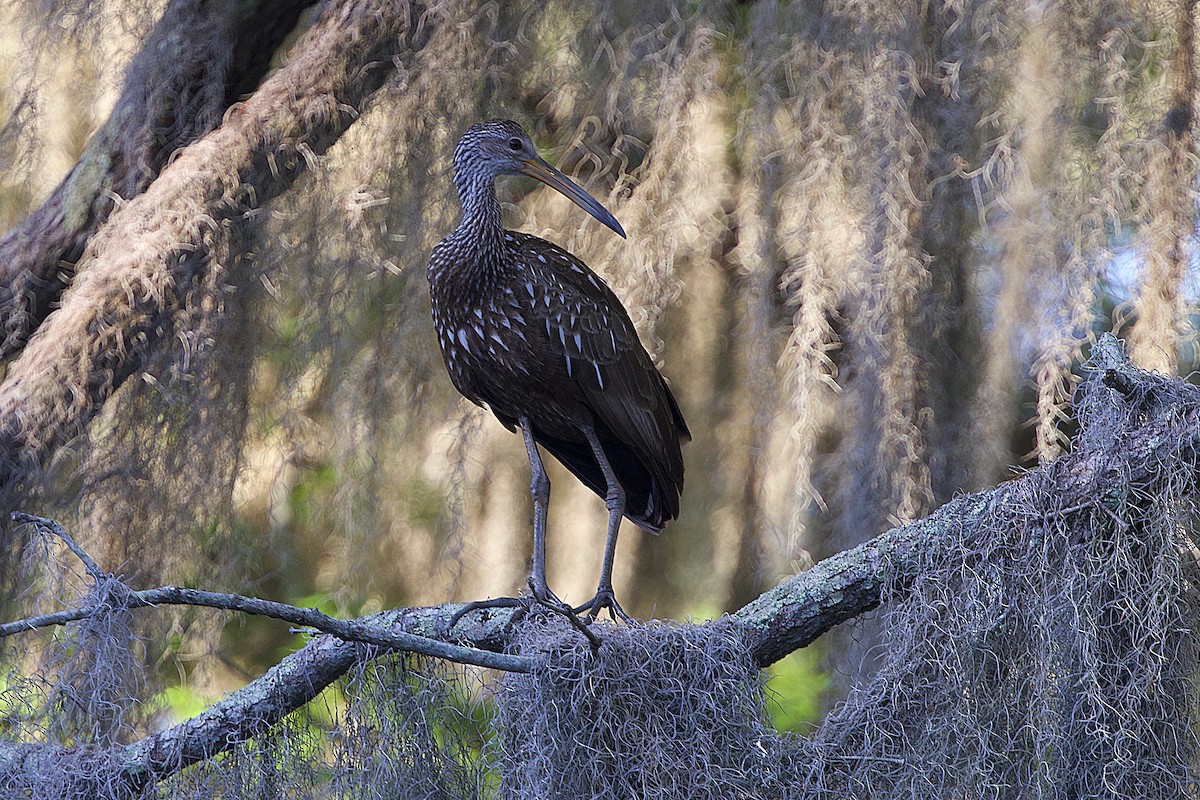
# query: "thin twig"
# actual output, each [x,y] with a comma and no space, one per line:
[353,630]
[52,527]
[1064,512]
[44,621]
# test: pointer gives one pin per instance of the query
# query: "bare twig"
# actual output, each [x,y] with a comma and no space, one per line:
[366,630]
[53,528]
[49,620]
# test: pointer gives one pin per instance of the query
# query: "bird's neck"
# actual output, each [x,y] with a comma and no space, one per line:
[481,224]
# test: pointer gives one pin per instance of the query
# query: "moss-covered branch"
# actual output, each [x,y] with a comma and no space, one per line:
[199,59]
[1119,461]
[1108,464]
[136,272]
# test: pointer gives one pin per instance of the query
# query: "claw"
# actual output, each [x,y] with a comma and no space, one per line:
[604,599]
[548,600]
[523,606]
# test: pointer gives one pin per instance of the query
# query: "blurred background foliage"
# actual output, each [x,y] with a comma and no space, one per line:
[869,244]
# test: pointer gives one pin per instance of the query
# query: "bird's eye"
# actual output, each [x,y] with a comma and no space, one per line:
[514,144]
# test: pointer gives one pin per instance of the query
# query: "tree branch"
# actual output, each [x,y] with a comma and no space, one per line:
[362,630]
[850,583]
[136,270]
[287,686]
[52,527]
[198,60]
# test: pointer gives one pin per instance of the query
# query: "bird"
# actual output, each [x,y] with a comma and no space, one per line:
[529,331]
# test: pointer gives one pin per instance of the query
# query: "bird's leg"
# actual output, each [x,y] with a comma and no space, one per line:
[539,488]
[614,500]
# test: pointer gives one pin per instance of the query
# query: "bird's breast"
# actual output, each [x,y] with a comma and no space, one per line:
[489,345]
[512,335]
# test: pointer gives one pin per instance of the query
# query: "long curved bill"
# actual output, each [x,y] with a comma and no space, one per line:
[537,168]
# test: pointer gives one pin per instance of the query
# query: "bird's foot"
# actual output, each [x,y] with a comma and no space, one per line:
[523,605]
[549,601]
[604,599]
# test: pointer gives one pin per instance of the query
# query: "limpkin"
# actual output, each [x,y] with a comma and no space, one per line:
[529,331]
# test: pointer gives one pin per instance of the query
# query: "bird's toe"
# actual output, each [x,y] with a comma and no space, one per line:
[604,599]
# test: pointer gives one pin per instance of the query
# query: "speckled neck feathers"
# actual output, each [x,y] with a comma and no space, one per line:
[480,231]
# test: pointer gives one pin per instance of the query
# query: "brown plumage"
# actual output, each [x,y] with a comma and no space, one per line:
[528,330]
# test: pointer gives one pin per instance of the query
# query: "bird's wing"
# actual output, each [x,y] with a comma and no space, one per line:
[599,345]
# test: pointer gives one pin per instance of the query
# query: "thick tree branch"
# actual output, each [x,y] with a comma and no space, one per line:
[198,60]
[845,585]
[850,583]
[136,271]
[284,688]
[240,716]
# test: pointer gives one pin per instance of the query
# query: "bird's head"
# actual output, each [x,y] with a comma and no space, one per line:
[501,147]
